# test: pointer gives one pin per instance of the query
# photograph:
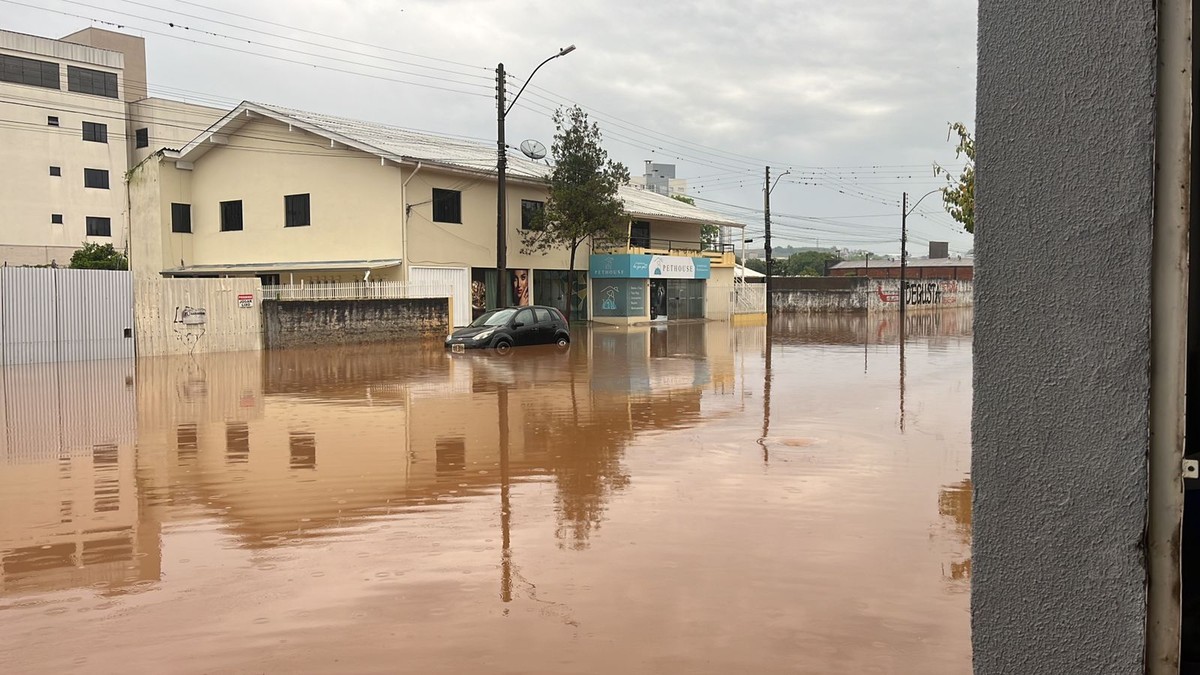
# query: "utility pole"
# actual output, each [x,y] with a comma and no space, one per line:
[903,259]
[501,196]
[767,238]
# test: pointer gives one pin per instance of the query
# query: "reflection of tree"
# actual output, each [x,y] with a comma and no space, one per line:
[585,460]
[954,502]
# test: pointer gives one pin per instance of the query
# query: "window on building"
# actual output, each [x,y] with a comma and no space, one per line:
[181,217]
[231,216]
[52,120]
[56,218]
[99,227]
[142,138]
[29,71]
[447,206]
[94,82]
[639,234]
[295,209]
[530,211]
[237,442]
[95,178]
[95,132]
[303,450]
[56,171]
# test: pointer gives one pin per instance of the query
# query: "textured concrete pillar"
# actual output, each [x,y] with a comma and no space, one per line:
[1065,169]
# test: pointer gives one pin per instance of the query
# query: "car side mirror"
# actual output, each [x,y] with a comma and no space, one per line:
[517,324]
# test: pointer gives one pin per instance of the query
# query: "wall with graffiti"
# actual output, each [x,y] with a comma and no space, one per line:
[875,295]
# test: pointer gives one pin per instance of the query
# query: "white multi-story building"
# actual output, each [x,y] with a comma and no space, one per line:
[65,134]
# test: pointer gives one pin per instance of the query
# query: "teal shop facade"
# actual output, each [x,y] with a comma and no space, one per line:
[628,288]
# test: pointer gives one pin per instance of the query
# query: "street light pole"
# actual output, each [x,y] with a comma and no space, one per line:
[904,211]
[768,188]
[502,110]
[903,256]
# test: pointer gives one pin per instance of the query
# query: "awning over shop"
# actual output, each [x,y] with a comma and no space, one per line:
[280,267]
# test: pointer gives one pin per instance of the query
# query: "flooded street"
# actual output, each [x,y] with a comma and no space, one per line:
[698,498]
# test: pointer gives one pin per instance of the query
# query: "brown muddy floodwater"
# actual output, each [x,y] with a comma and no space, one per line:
[683,499]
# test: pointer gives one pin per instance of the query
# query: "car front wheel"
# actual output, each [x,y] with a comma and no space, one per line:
[503,347]
[562,342]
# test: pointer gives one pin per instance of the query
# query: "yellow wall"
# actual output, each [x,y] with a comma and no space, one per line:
[356,209]
[473,242]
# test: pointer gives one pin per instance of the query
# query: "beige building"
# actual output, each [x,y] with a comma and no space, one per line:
[65,137]
[293,197]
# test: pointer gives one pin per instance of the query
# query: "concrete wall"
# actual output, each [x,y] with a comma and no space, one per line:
[306,323]
[167,323]
[1065,164]
[856,294]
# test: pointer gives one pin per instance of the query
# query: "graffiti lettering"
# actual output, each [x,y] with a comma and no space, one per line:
[922,293]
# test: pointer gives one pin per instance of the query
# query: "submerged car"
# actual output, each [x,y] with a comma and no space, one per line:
[503,329]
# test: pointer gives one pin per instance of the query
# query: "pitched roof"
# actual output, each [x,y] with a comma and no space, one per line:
[641,203]
[454,152]
[912,262]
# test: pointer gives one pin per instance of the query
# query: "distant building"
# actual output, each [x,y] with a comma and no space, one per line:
[660,178]
[921,268]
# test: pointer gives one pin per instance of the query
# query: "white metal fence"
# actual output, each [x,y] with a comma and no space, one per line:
[748,299]
[356,291]
[50,314]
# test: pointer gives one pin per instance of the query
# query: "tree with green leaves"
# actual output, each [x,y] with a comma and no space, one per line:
[99,257]
[757,264]
[806,264]
[582,202]
[959,194]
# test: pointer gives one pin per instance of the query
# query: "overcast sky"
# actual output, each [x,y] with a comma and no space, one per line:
[853,96]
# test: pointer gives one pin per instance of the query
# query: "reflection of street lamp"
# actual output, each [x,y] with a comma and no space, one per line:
[502,171]
[904,211]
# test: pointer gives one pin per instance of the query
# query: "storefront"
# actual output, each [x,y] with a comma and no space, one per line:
[629,288]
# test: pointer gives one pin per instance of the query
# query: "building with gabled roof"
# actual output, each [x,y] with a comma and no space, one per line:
[295,197]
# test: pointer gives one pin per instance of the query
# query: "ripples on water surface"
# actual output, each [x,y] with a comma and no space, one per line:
[676,499]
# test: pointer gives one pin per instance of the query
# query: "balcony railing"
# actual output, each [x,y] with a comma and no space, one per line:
[721,254]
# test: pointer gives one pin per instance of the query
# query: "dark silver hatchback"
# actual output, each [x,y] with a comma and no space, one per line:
[503,329]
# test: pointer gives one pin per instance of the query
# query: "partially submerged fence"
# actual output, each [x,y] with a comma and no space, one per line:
[52,314]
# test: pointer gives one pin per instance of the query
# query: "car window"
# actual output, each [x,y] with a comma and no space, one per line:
[496,317]
[543,315]
[525,316]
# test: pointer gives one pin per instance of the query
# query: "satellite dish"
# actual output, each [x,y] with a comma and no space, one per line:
[533,149]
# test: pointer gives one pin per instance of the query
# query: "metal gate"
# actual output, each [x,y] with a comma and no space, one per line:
[49,314]
[459,281]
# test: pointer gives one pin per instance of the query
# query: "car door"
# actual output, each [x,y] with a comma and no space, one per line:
[525,328]
[545,325]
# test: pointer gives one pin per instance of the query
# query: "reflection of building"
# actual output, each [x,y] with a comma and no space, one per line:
[335,436]
[874,327]
[954,502]
[71,510]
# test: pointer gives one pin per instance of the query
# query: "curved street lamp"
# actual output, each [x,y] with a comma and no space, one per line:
[904,211]
[502,172]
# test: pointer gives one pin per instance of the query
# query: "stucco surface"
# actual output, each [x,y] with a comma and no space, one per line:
[1062,326]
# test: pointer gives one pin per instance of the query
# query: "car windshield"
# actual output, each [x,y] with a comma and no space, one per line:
[496,317]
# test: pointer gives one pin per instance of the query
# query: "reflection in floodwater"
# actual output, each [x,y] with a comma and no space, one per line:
[363,500]
[954,502]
